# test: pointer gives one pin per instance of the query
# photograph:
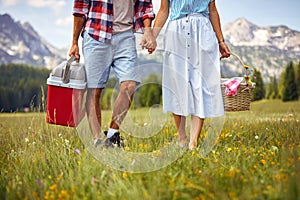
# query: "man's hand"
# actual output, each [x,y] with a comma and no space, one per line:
[77,28]
[74,50]
[148,40]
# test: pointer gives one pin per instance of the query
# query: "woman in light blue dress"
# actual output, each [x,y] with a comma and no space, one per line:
[191,71]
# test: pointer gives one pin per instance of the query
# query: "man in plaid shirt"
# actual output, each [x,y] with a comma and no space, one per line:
[107,28]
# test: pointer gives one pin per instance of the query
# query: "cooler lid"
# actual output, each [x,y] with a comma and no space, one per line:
[73,83]
[77,71]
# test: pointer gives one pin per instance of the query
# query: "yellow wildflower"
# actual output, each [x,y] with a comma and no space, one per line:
[126,148]
[53,187]
[63,195]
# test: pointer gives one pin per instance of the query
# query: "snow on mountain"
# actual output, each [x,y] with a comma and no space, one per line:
[268,49]
[243,33]
[20,43]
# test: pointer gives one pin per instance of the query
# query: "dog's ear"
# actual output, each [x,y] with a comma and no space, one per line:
[105,133]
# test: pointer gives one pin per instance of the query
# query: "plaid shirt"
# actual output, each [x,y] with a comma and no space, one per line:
[99,16]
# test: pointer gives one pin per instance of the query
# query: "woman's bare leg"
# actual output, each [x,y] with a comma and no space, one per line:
[195,130]
[180,125]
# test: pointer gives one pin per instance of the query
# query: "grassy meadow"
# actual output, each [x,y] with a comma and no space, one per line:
[257,156]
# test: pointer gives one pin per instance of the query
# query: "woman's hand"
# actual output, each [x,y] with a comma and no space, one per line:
[148,40]
[224,50]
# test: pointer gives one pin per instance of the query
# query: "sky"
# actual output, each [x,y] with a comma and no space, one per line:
[53,19]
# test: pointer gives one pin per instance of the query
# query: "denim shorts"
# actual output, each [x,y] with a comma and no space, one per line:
[120,54]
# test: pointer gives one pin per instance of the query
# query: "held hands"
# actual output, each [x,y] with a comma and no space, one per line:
[148,41]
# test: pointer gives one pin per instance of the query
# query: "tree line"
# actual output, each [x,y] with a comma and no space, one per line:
[21,87]
[286,88]
[24,87]
[149,92]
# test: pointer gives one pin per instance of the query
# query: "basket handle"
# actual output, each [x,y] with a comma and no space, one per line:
[66,73]
[241,61]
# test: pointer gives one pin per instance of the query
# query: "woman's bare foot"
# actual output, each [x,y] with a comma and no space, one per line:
[182,140]
[192,145]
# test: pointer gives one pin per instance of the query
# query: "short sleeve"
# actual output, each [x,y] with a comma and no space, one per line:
[81,8]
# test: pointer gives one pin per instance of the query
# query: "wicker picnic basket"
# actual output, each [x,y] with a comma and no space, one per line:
[241,101]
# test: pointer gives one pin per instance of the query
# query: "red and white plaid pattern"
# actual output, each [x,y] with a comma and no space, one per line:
[99,15]
[232,86]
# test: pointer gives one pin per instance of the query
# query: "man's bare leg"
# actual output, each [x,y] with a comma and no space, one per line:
[93,110]
[122,103]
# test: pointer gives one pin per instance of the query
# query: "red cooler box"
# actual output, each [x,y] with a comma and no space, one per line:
[66,87]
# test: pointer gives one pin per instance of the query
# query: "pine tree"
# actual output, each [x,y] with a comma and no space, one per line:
[259,90]
[281,84]
[274,94]
[272,88]
[289,86]
[298,78]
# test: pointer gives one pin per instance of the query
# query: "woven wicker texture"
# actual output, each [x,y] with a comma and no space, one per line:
[242,100]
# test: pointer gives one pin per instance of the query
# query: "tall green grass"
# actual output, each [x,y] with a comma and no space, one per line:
[257,156]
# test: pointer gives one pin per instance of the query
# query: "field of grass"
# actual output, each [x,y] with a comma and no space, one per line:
[257,156]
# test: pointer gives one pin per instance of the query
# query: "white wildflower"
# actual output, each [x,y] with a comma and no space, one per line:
[67,142]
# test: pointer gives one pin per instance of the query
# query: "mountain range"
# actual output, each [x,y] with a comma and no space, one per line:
[20,43]
[268,49]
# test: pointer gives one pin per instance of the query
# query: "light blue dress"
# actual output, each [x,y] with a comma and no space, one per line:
[191,71]
[180,8]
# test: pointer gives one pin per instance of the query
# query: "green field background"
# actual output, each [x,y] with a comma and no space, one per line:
[257,156]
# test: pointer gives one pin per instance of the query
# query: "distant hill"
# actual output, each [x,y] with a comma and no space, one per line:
[20,43]
[268,49]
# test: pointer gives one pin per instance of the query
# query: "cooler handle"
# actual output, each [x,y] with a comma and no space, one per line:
[66,73]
